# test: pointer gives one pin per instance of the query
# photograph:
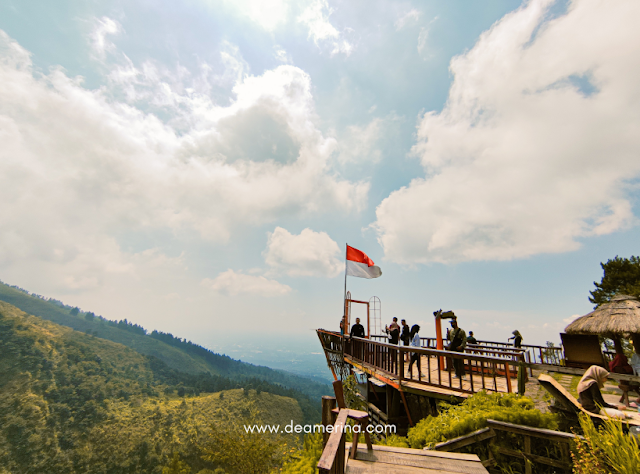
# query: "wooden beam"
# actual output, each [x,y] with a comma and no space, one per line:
[328,403]
[527,453]
[406,407]
[336,440]
[462,441]
[529,431]
[534,457]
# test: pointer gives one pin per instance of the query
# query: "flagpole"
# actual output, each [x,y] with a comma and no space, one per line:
[344,303]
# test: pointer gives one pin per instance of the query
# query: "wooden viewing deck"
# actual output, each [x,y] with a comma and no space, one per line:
[386,459]
[489,369]
[337,458]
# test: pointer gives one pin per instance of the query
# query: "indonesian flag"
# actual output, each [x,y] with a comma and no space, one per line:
[359,265]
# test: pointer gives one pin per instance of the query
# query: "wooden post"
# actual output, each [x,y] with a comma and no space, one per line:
[527,453]
[332,458]
[439,343]
[328,404]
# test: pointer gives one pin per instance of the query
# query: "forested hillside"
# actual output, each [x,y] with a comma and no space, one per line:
[74,403]
[177,353]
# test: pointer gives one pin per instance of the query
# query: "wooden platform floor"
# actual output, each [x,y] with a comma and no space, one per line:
[433,374]
[443,386]
[385,459]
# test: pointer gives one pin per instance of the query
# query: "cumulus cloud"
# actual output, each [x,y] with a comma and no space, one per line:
[233,284]
[307,254]
[78,167]
[316,18]
[536,145]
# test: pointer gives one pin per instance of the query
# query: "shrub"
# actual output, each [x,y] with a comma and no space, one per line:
[472,415]
[306,460]
[607,449]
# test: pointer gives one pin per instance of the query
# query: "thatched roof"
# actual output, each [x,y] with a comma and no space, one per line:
[621,315]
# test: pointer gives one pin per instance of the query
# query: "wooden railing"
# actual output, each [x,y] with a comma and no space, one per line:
[483,372]
[532,354]
[332,460]
[520,436]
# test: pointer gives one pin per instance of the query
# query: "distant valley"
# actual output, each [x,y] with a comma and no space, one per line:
[80,392]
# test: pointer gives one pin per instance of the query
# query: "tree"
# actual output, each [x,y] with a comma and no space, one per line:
[621,276]
[74,311]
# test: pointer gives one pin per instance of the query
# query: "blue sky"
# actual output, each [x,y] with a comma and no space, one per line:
[198,167]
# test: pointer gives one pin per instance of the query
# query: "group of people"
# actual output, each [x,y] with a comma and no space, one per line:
[588,388]
[456,336]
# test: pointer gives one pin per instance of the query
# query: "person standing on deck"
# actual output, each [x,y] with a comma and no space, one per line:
[357,330]
[458,339]
[471,339]
[415,342]
[393,331]
[517,339]
[405,337]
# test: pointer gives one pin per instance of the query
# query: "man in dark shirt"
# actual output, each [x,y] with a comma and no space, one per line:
[357,330]
[458,339]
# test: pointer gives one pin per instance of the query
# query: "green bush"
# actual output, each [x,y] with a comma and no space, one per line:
[306,460]
[472,415]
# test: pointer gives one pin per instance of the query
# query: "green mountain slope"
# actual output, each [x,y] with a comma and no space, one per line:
[178,354]
[74,403]
[173,357]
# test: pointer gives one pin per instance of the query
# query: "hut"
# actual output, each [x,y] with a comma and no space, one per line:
[618,318]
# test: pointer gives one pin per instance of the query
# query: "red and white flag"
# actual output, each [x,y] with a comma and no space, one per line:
[359,265]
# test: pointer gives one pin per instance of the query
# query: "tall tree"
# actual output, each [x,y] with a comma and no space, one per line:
[621,276]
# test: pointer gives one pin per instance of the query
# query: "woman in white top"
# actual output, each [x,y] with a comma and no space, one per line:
[415,342]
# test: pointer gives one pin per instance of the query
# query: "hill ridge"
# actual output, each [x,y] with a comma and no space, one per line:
[175,352]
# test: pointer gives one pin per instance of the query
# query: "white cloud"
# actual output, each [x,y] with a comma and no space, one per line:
[282,56]
[104,27]
[571,318]
[316,18]
[308,254]
[535,146]
[423,39]
[410,17]
[360,143]
[269,14]
[233,284]
[79,168]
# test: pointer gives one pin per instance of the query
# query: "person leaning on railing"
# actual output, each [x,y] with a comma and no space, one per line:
[517,339]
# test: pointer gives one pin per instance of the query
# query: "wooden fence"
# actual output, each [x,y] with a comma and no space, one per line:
[534,444]
[532,354]
[487,369]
